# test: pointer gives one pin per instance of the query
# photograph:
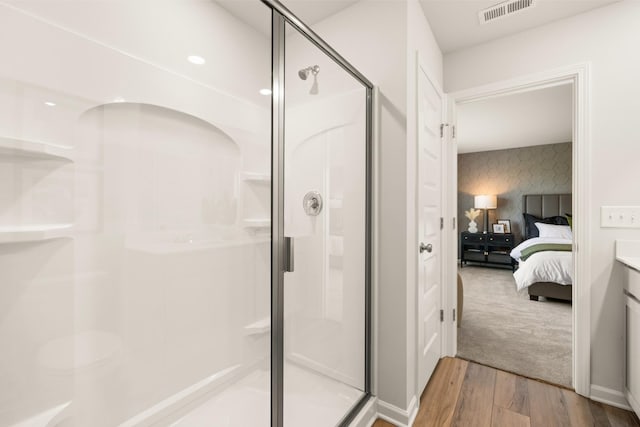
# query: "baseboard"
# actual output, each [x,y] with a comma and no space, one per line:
[398,416]
[635,405]
[367,415]
[609,396]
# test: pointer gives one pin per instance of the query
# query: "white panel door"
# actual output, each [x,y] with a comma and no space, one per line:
[429,233]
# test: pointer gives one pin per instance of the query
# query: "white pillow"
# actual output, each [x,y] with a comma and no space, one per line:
[554,231]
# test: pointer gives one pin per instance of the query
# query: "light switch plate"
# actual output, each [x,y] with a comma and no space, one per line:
[620,216]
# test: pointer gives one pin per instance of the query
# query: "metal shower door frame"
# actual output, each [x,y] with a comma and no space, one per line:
[281,16]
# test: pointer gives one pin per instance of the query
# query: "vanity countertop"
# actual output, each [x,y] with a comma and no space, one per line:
[628,253]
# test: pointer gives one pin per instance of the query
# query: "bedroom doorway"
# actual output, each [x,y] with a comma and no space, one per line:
[515,174]
[505,214]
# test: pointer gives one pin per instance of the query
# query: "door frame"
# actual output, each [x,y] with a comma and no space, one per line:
[578,75]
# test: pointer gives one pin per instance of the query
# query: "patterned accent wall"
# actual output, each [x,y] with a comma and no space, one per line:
[510,174]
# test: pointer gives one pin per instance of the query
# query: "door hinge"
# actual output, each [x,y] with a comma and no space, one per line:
[453,130]
[442,126]
[442,315]
[453,223]
[441,223]
[454,314]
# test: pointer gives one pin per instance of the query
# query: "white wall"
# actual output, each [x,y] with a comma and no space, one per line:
[380,39]
[607,38]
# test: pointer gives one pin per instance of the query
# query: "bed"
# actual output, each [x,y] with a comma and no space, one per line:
[545,271]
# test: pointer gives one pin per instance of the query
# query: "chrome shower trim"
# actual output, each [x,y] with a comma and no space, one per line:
[277,219]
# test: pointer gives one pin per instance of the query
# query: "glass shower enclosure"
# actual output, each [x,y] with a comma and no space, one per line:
[185,217]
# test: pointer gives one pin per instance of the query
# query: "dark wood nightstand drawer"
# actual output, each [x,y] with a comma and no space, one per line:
[500,238]
[473,238]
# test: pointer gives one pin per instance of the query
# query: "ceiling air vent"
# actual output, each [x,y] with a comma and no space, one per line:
[504,9]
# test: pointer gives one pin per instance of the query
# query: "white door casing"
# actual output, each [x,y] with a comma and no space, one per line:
[429,298]
[578,75]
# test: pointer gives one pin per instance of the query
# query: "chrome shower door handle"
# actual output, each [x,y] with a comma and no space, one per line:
[428,247]
[288,254]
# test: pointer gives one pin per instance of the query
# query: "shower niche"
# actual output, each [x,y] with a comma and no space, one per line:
[167,176]
[36,168]
[256,203]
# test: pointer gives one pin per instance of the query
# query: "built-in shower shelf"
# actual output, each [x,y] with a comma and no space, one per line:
[257,223]
[33,233]
[34,149]
[262,326]
[256,177]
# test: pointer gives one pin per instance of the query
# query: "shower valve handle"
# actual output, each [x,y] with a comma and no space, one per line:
[312,203]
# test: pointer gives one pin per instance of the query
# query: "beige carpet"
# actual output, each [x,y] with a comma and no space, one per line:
[504,329]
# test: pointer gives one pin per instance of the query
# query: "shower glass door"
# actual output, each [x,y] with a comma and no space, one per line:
[325,215]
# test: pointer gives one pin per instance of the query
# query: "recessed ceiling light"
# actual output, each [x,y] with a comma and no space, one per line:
[265,92]
[195,59]
[50,104]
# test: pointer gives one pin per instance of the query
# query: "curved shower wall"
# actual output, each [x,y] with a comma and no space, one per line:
[324,305]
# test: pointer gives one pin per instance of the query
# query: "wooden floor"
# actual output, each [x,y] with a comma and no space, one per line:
[462,393]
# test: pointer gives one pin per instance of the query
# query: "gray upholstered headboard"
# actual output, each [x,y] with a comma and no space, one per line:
[546,205]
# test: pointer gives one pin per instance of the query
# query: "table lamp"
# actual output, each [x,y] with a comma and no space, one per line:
[485,202]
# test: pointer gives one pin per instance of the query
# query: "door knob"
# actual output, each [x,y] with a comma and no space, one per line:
[428,247]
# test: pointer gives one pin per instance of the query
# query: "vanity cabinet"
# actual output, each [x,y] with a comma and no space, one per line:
[632,338]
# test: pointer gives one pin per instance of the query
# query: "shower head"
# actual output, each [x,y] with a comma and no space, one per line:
[304,74]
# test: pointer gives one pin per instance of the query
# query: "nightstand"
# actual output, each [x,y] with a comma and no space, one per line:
[487,249]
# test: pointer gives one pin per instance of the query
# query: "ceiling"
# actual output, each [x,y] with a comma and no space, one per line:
[309,11]
[537,117]
[455,23]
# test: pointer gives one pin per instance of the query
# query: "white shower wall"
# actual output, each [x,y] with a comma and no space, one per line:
[139,276]
[175,288]
[325,151]
[324,296]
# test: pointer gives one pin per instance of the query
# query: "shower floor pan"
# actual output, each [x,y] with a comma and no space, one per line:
[311,399]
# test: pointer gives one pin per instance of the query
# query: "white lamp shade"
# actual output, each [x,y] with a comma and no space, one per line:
[485,202]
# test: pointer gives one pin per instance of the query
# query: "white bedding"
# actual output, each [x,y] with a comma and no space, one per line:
[548,266]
